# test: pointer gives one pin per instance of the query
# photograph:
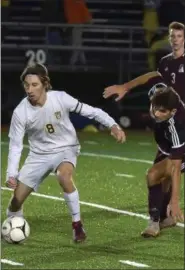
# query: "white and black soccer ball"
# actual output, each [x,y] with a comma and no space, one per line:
[15,230]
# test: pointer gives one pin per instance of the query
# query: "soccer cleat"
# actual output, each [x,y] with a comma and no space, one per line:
[167,223]
[152,230]
[78,232]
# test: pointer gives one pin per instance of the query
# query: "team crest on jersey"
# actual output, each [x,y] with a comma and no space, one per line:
[181,68]
[58,115]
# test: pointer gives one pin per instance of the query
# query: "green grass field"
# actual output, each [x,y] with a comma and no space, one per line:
[113,235]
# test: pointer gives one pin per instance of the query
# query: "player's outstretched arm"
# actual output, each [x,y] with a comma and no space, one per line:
[16,135]
[121,90]
[104,119]
[73,105]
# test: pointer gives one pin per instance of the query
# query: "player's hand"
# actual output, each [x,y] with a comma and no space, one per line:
[11,182]
[175,211]
[119,90]
[118,133]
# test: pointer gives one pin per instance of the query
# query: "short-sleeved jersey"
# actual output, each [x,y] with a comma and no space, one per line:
[173,73]
[170,135]
[49,128]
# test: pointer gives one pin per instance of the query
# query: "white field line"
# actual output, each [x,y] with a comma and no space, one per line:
[110,209]
[134,263]
[89,154]
[91,142]
[144,143]
[11,262]
[116,157]
[125,175]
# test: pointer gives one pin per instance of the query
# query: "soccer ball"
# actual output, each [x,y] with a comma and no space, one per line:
[15,230]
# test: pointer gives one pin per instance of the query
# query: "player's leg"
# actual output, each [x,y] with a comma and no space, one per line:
[167,189]
[71,196]
[31,174]
[166,221]
[21,192]
[156,175]
[65,169]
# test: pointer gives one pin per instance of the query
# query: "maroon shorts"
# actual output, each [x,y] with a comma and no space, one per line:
[160,156]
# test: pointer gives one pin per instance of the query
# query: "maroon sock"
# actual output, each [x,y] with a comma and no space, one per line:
[166,200]
[155,195]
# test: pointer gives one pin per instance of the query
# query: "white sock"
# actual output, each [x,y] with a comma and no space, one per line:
[17,214]
[72,200]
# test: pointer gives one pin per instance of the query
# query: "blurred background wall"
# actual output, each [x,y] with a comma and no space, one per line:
[86,45]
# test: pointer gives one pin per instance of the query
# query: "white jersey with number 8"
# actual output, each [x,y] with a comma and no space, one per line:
[49,128]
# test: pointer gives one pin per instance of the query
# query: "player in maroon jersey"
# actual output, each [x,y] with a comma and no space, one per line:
[170,72]
[171,67]
[168,112]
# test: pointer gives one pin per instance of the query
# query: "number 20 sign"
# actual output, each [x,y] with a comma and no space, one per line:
[38,56]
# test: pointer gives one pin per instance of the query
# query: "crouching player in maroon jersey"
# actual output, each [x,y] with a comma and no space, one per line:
[168,112]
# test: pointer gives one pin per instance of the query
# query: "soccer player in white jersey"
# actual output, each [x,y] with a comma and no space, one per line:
[53,145]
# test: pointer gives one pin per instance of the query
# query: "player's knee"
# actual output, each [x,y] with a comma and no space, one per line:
[65,175]
[151,177]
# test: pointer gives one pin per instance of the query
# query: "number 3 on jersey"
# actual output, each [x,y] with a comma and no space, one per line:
[173,78]
[50,128]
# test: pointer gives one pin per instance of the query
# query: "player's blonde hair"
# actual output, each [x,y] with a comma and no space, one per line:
[39,70]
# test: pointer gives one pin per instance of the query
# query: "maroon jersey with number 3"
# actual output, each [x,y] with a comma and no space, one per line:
[173,73]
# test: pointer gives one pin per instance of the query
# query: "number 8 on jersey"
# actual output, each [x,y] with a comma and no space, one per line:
[50,128]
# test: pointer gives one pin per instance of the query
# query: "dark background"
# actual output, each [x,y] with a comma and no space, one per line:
[116,51]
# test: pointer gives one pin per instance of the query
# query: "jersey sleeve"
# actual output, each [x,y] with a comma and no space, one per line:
[98,115]
[177,135]
[16,135]
[73,105]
